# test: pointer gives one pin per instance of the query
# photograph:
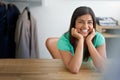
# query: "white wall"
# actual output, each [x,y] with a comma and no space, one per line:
[53,17]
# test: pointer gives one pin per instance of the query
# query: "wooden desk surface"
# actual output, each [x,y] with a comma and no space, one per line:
[42,69]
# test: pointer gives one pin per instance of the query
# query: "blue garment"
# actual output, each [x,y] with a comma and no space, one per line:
[8,17]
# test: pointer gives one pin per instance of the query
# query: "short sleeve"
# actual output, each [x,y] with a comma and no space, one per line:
[64,44]
[99,39]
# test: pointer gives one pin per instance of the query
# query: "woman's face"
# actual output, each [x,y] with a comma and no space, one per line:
[84,24]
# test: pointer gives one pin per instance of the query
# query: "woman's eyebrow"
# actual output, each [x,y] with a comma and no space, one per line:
[91,20]
[84,20]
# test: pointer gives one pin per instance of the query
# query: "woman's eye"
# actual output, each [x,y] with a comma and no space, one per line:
[90,22]
[80,22]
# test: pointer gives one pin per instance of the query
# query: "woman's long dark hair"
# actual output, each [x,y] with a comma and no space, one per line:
[80,11]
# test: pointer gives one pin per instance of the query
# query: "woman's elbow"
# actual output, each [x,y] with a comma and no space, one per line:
[74,70]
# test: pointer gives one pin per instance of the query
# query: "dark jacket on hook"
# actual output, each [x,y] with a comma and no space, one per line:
[8,16]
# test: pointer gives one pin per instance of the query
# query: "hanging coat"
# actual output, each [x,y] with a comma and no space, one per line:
[26,36]
[8,17]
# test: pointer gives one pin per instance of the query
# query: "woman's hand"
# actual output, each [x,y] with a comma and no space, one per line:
[76,34]
[90,36]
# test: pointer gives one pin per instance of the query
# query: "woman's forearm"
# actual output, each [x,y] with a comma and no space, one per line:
[98,60]
[76,61]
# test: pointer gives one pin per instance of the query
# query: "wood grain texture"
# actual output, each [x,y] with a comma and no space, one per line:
[42,69]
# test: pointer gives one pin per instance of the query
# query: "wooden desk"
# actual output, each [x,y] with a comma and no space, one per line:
[42,69]
[108,35]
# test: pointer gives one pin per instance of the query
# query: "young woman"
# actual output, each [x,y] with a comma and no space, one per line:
[82,42]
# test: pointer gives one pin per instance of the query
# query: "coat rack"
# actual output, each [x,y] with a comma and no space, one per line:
[28,2]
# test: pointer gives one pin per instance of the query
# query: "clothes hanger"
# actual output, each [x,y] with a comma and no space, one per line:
[28,10]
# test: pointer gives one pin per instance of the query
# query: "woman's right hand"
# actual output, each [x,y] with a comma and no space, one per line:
[76,34]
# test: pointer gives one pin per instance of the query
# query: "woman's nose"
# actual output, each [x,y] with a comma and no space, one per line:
[85,26]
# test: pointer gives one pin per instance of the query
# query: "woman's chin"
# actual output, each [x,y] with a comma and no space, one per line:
[85,35]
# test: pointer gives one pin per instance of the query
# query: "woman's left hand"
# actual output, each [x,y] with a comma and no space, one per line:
[90,36]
